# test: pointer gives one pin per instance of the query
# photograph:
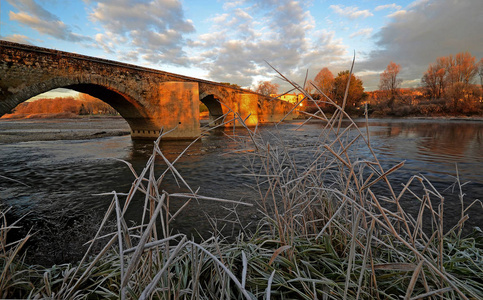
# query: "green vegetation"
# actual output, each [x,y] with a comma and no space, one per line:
[326,234]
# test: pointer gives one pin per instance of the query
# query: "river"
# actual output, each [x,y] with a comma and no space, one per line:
[56,181]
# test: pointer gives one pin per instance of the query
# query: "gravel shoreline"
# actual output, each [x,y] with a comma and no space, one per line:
[25,130]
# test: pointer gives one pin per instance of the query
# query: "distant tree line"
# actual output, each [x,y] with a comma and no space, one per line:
[448,87]
[66,106]
[453,85]
[324,86]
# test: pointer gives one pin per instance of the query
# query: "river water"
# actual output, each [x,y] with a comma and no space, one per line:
[56,181]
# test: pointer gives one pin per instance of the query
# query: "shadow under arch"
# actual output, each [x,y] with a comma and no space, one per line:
[130,107]
[131,110]
[215,108]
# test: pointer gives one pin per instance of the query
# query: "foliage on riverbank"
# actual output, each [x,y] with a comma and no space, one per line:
[327,233]
[61,107]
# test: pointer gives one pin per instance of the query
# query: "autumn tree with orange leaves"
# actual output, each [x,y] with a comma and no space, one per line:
[48,106]
[434,81]
[356,90]
[94,106]
[452,77]
[62,107]
[388,79]
[324,81]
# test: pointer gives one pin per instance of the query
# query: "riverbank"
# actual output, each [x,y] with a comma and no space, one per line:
[45,129]
[91,127]
[442,118]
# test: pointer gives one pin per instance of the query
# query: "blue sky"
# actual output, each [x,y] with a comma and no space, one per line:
[229,41]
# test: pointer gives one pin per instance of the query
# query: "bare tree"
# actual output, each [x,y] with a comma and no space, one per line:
[465,67]
[266,88]
[309,86]
[388,79]
[434,80]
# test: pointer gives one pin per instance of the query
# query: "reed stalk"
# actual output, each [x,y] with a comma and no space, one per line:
[334,227]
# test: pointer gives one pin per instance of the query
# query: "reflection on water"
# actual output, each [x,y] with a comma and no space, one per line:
[454,142]
[62,177]
[432,147]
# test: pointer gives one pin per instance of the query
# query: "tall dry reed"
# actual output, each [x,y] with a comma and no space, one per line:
[327,233]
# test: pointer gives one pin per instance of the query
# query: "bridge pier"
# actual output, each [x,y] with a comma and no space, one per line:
[275,110]
[247,108]
[173,105]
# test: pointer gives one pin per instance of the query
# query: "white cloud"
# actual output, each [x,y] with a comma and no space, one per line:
[129,56]
[368,73]
[352,12]
[104,40]
[232,4]
[397,14]
[17,38]
[363,32]
[411,83]
[156,29]
[34,16]
[280,32]
[418,3]
[392,6]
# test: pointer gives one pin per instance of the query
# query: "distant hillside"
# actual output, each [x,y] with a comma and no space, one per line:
[61,107]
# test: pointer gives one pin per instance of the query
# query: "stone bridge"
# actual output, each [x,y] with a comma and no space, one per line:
[147,99]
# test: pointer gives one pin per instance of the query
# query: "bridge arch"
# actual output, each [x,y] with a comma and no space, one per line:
[129,106]
[215,108]
[148,99]
[219,100]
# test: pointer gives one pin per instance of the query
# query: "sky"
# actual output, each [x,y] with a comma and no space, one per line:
[243,41]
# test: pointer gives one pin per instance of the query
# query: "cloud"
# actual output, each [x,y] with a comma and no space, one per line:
[392,6]
[34,16]
[279,32]
[18,38]
[363,32]
[352,12]
[130,56]
[368,73]
[411,83]
[427,30]
[397,14]
[155,29]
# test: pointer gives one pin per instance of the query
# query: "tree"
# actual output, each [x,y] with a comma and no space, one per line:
[480,73]
[309,86]
[465,67]
[434,80]
[356,90]
[94,106]
[388,79]
[266,88]
[451,76]
[324,81]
